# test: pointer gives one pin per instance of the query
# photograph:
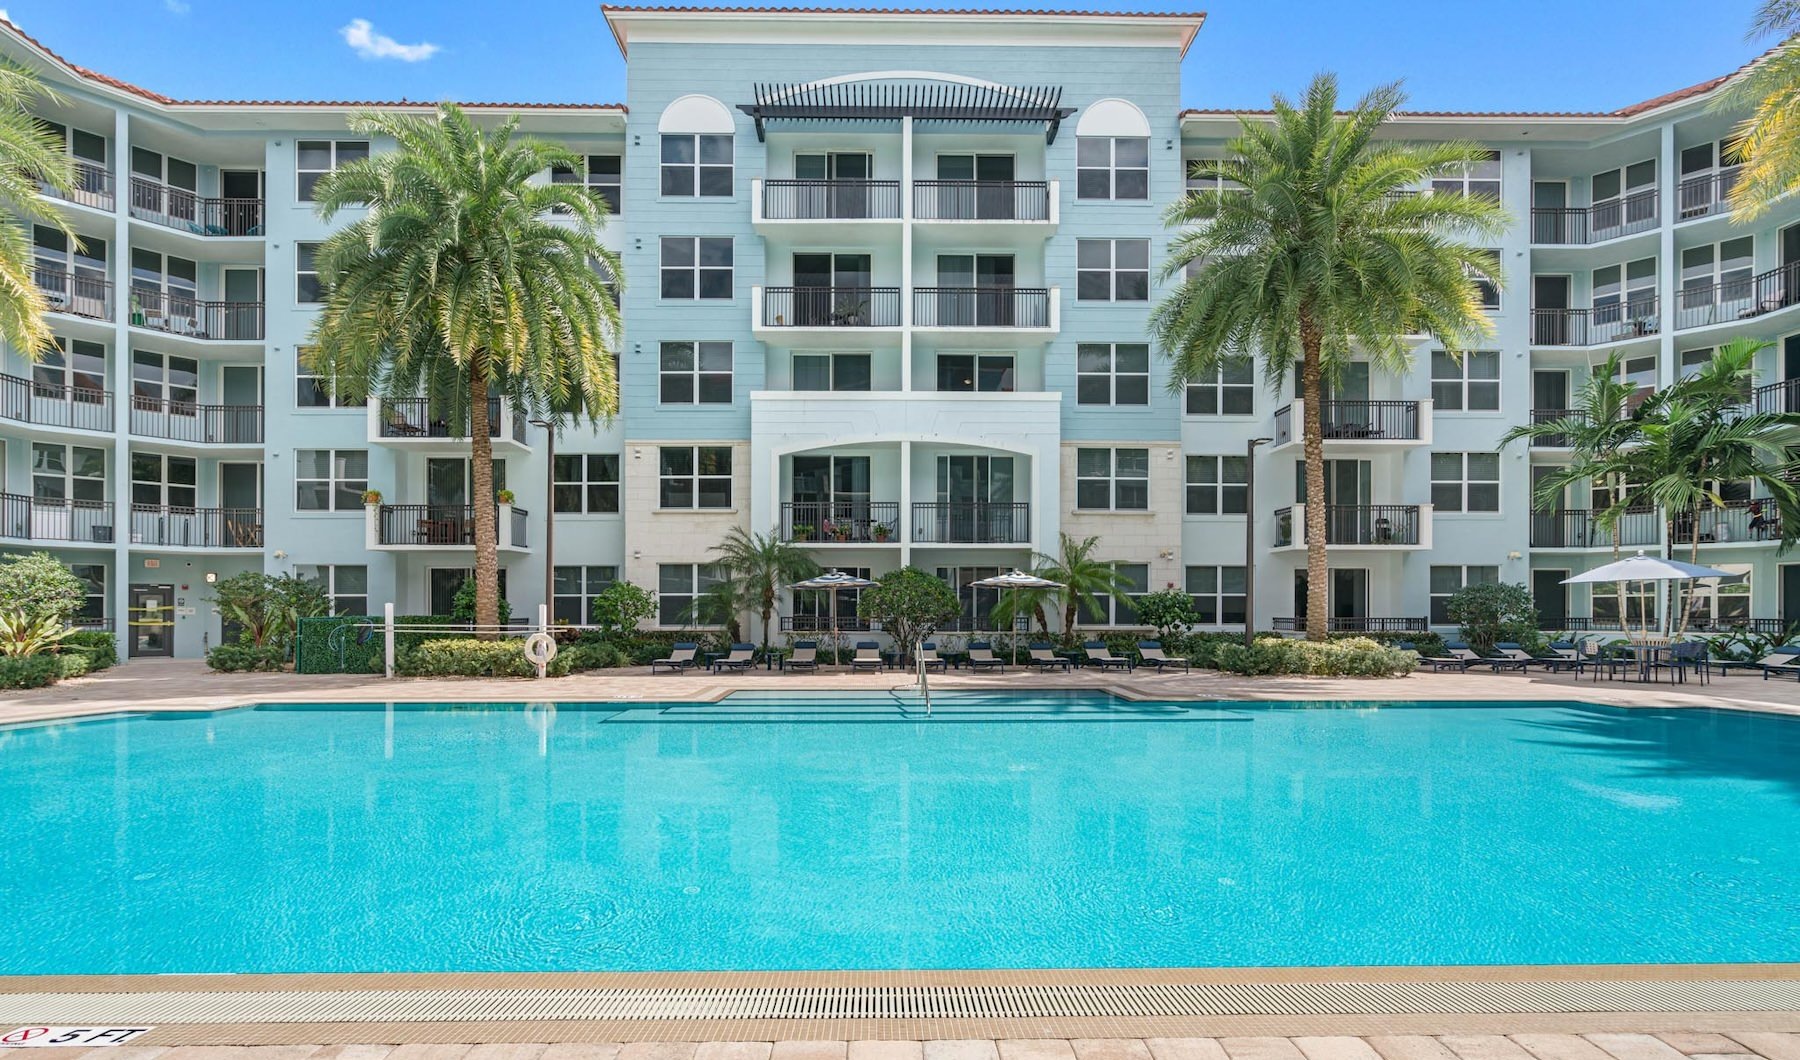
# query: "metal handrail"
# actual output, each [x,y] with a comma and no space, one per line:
[1626,215]
[92,186]
[1634,317]
[74,293]
[981,200]
[971,522]
[55,404]
[981,307]
[843,200]
[184,421]
[831,307]
[187,211]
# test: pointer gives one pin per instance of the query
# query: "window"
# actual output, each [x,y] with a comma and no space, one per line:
[1635,300]
[1218,595]
[307,287]
[679,587]
[346,585]
[93,597]
[1714,274]
[1112,479]
[312,389]
[1465,482]
[1112,270]
[1231,392]
[1692,361]
[1122,610]
[833,371]
[1480,179]
[1445,581]
[1487,283]
[1112,374]
[696,476]
[985,373]
[812,607]
[1217,485]
[1722,602]
[330,479]
[159,481]
[696,373]
[585,483]
[696,267]
[67,473]
[315,158]
[1467,384]
[1640,603]
[574,590]
[71,370]
[1208,184]
[164,382]
[1112,167]
[696,165]
[602,178]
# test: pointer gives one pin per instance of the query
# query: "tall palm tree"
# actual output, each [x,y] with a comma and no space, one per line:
[32,158]
[1769,139]
[1318,248]
[1085,582]
[458,283]
[761,566]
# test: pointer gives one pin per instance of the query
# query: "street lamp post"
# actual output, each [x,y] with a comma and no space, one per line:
[1250,537]
[550,520]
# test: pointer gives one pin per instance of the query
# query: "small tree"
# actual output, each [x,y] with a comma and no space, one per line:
[269,607]
[1168,611]
[463,604]
[909,604]
[620,608]
[1492,613]
[40,586]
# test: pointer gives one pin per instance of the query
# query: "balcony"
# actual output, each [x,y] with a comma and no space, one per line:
[983,307]
[1583,225]
[175,313]
[1737,300]
[840,522]
[185,211]
[829,200]
[1729,525]
[1634,318]
[441,526]
[1359,526]
[1357,421]
[971,523]
[1706,195]
[162,526]
[832,308]
[53,405]
[181,421]
[984,200]
[422,423]
[823,623]
[1579,528]
[1776,397]
[1554,441]
[25,518]
[92,186]
[1356,624]
[81,294]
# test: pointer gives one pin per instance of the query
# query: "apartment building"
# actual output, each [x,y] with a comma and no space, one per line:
[888,276]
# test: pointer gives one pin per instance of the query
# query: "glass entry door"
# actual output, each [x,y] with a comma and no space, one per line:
[843,183]
[832,289]
[974,495]
[831,499]
[977,187]
[152,621]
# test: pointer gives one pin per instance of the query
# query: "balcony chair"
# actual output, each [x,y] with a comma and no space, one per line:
[1098,654]
[982,657]
[680,660]
[1042,658]
[399,426]
[1150,653]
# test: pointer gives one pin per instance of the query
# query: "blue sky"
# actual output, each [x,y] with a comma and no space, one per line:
[1506,55]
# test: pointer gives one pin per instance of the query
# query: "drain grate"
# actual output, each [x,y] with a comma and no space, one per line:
[900,1002]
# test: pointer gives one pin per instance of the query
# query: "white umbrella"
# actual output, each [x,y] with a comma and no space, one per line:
[1642,568]
[832,581]
[1016,579]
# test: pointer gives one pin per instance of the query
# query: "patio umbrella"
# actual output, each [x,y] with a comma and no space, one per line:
[1016,579]
[832,581]
[1642,568]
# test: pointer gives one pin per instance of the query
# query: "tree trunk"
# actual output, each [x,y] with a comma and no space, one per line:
[768,609]
[481,480]
[1312,392]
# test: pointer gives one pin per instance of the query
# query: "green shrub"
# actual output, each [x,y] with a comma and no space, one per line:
[40,585]
[268,608]
[1493,612]
[1353,657]
[468,657]
[462,605]
[27,671]
[600,655]
[239,658]
[1425,643]
[98,645]
[71,664]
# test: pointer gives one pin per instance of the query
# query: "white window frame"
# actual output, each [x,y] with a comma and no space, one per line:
[1110,168]
[303,189]
[697,166]
[1452,378]
[696,376]
[1472,180]
[609,188]
[831,360]
[1488,286]
[1440,599]
[1222,489]
[591,579]
[700,577]
[1116,483]
[1137,382]
[306,265]
[182,496]
[1241,383]
[1219,594]
[694,479]
[343,493]
[53,378]
[1464,484]
[1111,270]
[323,387]
[66,478]
[696,269]
[328,576]
[1115,613]
[588,483]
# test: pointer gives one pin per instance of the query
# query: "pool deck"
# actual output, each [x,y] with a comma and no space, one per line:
[481,1018]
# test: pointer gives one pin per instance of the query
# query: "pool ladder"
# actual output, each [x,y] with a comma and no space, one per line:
[924,681]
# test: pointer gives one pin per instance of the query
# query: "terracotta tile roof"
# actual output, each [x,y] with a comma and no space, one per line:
[679,9]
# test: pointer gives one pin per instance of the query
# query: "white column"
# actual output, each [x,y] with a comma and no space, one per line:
[121,383]
[905,521]
[906,256]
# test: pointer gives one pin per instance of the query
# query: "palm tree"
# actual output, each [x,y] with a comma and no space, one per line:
[32,159]
[458,284]
[1769,139]
[760,566]
[1085,580]
[1319,247]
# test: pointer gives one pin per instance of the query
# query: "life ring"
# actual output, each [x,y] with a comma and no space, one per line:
[540,650]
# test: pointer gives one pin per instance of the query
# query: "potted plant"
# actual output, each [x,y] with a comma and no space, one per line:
[504,496]
[371,497]
[803,532]
[882,533]
[841,532]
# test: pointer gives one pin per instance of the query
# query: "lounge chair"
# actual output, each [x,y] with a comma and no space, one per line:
[1150,653]
[1788,664]
[681,658]
[1098,654]
[1513,657]
[398,426]
[868,656]
[742,657]
[1042,658]
[1436,662]
[1565,655]
[805,657]
[982,657]
[1776,657]
[1466,655]
[928,657]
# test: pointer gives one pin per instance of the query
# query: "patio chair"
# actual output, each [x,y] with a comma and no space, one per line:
[1464,654]
[1776,657]
[1042,658]
[928,658]
[1098,654]
[742,657]
[1788,665]
[1150,653]
[681,658]
[1684,657]
[399,426]
[1436,662]
[1512,657]
[805,657]
[868,656]
[982,657]
[1565,655]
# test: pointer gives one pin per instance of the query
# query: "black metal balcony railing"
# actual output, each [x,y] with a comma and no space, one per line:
[1776,397]
[1737,299]
[1706,195]
[1358,624]
[1633,318]
[1579,528]
[971,522]
[1629,215]
[980,624]
[424,418]
[1736,521]
[157,524]
[188,211]
[92,623]
[81,294]
[1354,420]
[840,520]
[1554,441]
[846,623]
[38,519]
[92,186]
[182,421]
[831,307]
[981,307]
[442,524]
[981,200]
[1354,524]
[55,404]
[825,200]
[176,313]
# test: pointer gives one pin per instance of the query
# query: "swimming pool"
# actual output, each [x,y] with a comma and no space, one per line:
[840,831]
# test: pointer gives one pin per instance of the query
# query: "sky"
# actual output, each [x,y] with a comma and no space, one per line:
[1450,54]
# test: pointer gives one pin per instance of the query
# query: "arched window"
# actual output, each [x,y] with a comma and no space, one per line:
[696,148]
[1112,152]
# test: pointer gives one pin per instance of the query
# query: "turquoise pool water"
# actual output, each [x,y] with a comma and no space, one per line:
[821,833]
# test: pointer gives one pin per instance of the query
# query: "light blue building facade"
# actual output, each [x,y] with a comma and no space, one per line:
[888,279]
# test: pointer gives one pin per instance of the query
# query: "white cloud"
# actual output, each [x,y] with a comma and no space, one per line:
[363,40]
[177,7]
[6,16]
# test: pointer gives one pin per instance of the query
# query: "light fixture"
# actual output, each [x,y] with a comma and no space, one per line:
[212,577]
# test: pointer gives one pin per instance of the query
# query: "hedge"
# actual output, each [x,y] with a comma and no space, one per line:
[27,671]
[237,658]
[468,657]
[1352,657]
[101,649]
[362,650]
